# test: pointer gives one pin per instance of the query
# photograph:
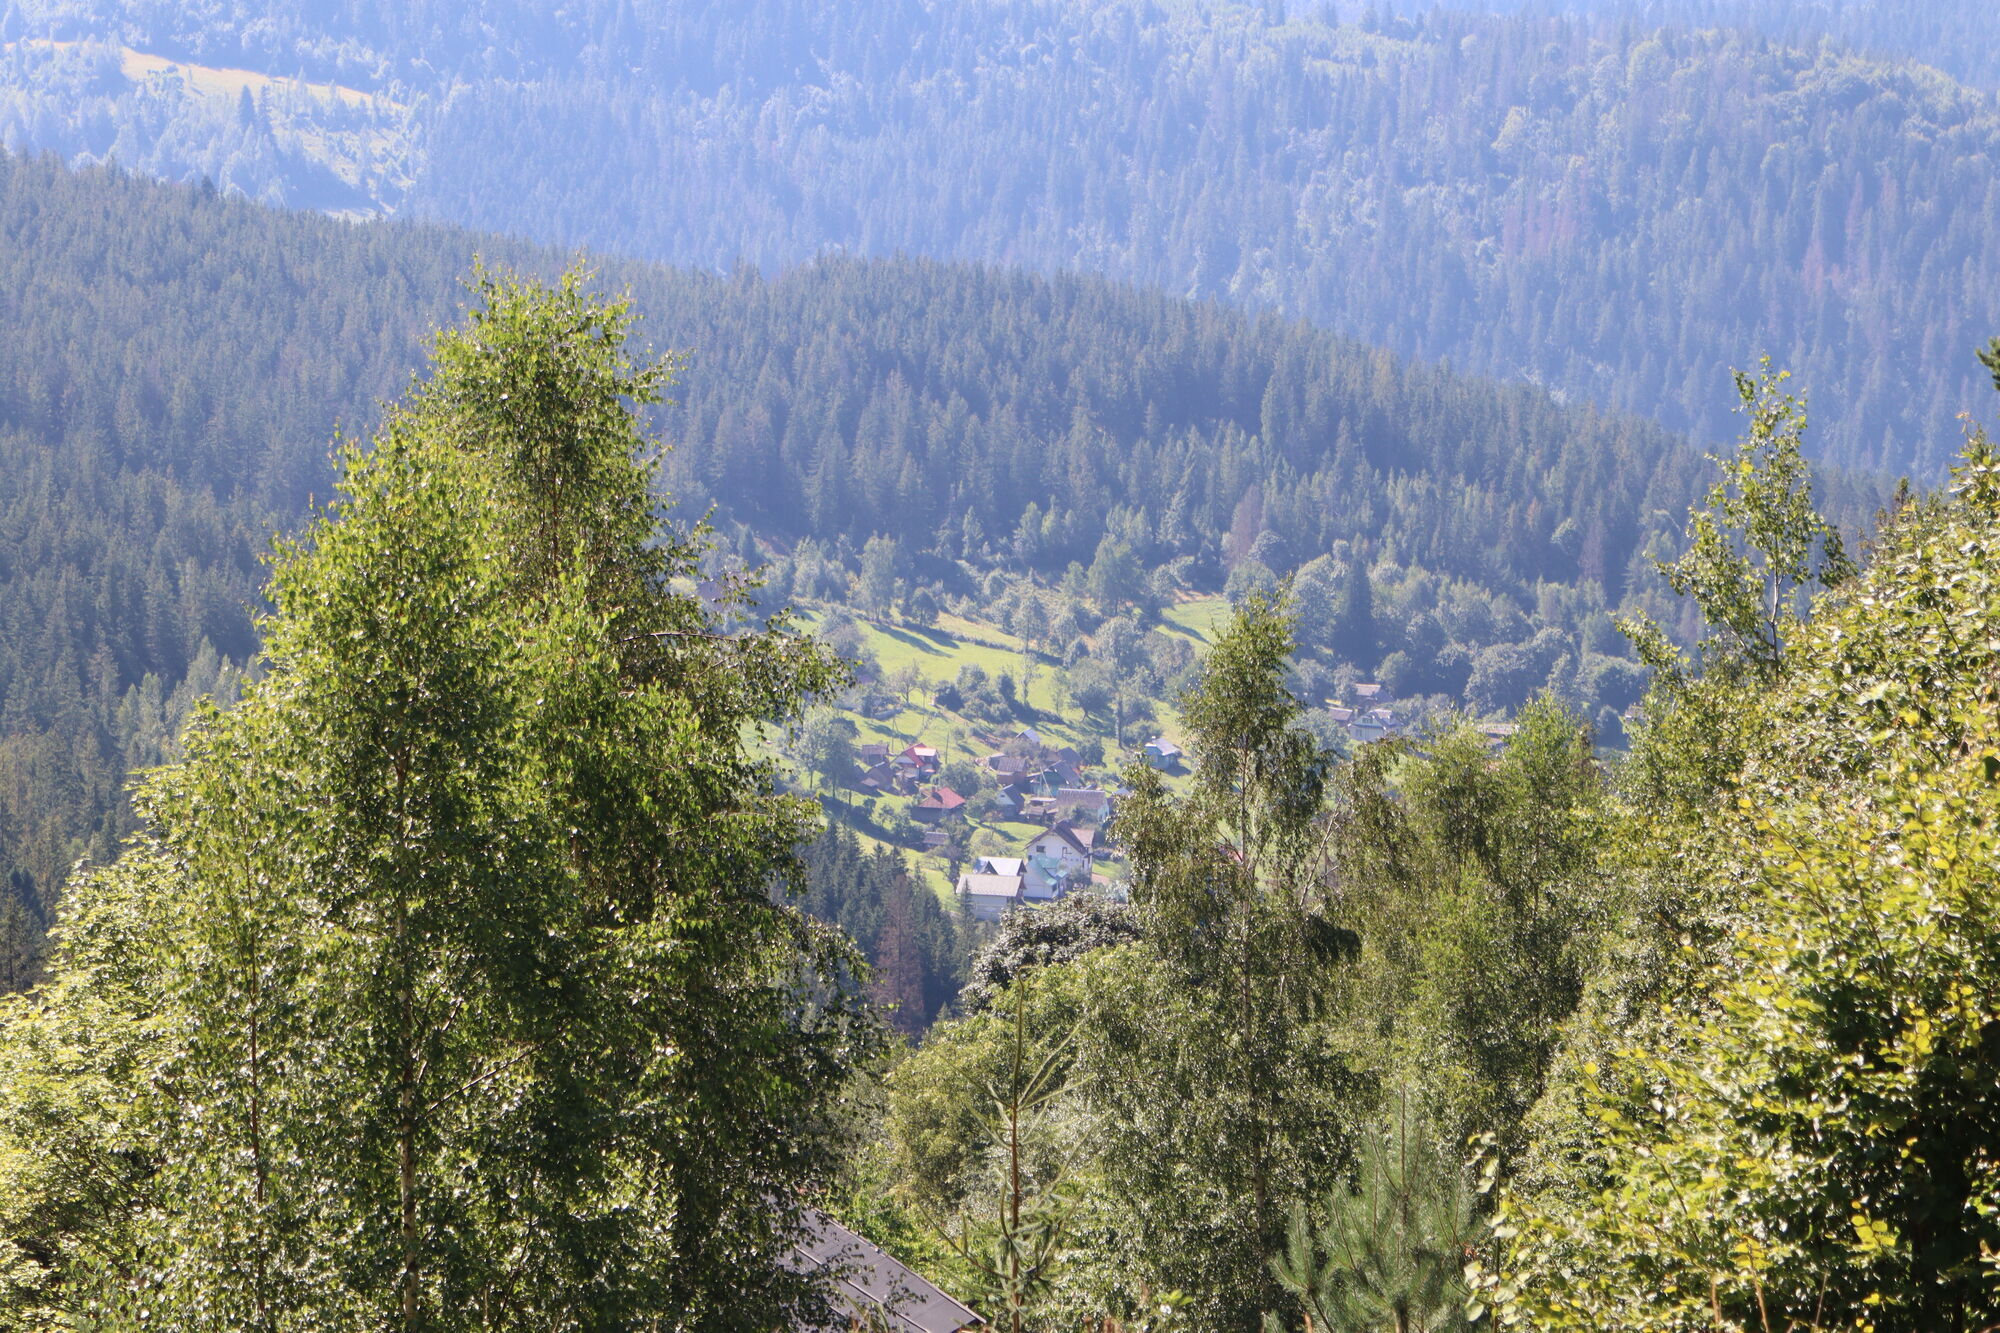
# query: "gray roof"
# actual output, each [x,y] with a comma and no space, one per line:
[990,886]
[867,1282]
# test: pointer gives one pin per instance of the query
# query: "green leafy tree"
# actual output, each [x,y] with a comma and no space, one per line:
[1221,1092]
[1066,929]
[1115,577]
[1801,1135]
[826,746]
[1759,541]
[1478,885]
[986,1117]
[453,941]
[881,565]
[1752,551]
[1315,589]
[1209,1089]
[965,777]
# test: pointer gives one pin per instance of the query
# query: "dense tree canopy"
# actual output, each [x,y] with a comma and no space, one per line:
[1780,1113]
[973,419]
[1612,208]
[450,953]
[1962,40]
[443,974]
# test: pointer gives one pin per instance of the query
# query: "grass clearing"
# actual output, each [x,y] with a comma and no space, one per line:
[937,651]
[1198,618]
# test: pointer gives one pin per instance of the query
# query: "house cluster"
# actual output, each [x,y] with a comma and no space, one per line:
[1375,717]
[901,773]
[1034,783]
[1371,717]
[1037,783]
[1055,863]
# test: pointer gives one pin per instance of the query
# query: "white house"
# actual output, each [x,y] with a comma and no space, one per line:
[1056,855]
[1375,724]
[1162,753]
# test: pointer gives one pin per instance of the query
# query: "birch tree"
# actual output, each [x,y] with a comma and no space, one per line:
[466,997]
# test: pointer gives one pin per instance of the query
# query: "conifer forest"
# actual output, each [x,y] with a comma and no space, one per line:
[1058,666]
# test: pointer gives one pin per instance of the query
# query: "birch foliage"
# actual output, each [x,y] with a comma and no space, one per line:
[450,986]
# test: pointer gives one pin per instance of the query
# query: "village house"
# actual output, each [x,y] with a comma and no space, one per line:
[1057,776]
[1007,767]
[1012,801]
[1162,753]
[913,765]
[1369,722]
[941,804]
[1375,724]
[1091,804]
[990,897]
[869,1288]
[1057,856]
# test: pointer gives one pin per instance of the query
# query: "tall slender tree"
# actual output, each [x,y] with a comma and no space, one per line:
[1227,1096]
[456,945]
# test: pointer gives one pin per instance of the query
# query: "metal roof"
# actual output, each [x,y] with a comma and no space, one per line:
[991,886]
[868,1283]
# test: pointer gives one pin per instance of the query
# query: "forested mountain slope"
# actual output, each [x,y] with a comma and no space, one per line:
[172,370]
[1617,213]
[175,364]
[1963,40]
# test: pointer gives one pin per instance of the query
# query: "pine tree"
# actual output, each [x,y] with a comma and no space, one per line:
[1388,1255]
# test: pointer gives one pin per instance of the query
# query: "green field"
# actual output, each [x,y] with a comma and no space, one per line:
[1198,618]
[938,651]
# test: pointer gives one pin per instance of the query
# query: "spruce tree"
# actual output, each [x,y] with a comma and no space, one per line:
[1354,633]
